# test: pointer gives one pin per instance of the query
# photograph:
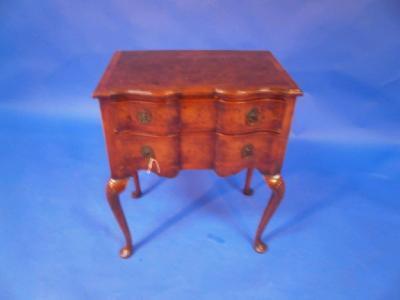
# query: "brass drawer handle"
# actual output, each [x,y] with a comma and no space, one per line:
[252,116]
[147,152]
[144,116]
[247,151]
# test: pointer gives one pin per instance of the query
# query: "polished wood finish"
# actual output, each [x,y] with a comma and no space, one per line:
[155,74]
[175,110]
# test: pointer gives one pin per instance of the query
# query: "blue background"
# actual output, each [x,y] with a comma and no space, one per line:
[337,232]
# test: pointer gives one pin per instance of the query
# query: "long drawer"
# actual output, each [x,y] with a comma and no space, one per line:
[195,115]
[227,154]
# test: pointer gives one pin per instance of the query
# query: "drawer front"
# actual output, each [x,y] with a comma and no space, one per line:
[133,152]
[250,116]
[145,117]
[236,152]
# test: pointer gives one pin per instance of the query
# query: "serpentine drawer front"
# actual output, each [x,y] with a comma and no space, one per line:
[165,111]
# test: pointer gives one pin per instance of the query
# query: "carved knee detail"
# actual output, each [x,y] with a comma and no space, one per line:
[276,183]
[116,186]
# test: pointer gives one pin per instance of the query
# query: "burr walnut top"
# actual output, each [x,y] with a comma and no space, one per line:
[155,74]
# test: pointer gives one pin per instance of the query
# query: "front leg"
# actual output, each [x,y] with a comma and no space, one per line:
[277,185]
[113,189]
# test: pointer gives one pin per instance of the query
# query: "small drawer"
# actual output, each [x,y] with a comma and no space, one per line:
[250,116]
[236,152]
[135,150]
[145,117]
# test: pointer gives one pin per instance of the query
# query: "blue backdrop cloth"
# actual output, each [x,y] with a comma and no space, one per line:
[337,232]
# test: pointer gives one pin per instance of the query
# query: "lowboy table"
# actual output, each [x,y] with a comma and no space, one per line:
[165,111]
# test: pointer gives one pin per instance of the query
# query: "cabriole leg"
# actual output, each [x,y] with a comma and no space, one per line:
[138,192]
[113,189]
[277,185]
[247,190]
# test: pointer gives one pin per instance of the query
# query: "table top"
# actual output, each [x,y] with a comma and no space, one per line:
[194,73]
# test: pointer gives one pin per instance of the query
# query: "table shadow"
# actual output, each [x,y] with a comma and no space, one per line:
[200,202]
[291,224]
[153,186]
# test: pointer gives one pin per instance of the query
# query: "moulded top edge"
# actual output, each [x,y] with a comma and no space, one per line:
[216,93]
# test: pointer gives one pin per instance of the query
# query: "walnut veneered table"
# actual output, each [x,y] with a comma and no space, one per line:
[167,111]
